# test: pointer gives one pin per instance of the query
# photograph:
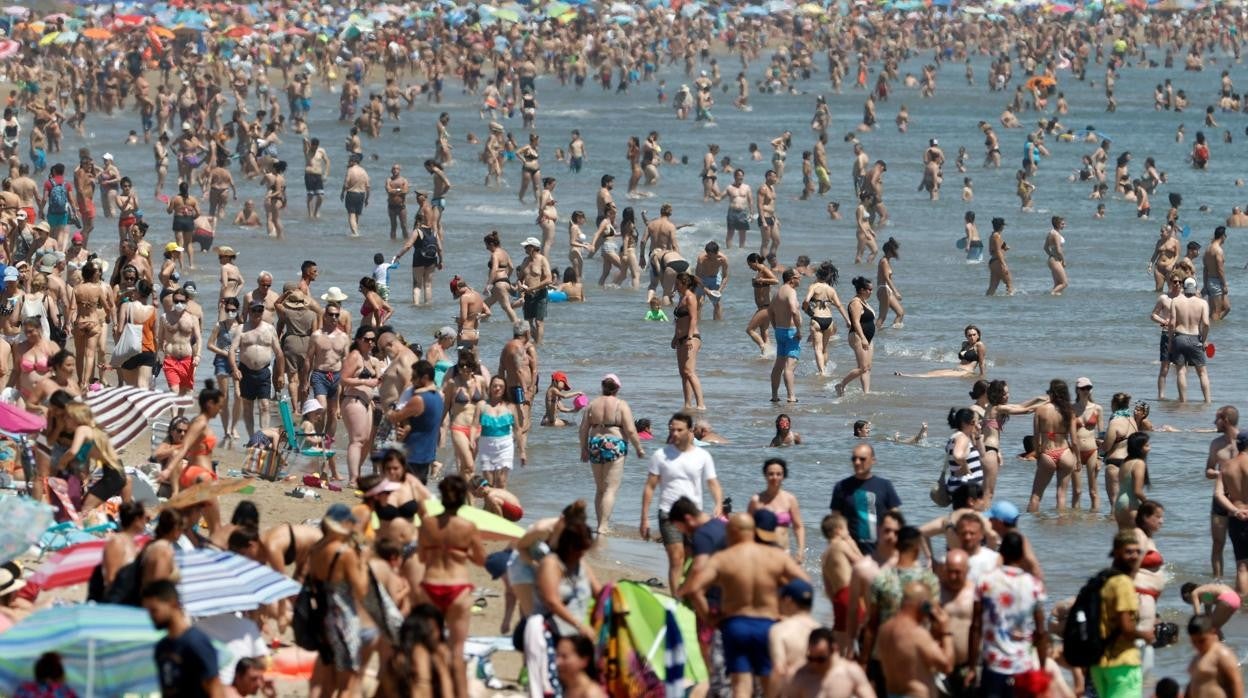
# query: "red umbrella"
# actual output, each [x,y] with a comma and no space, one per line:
[238,31]
[129,20]
[71,566]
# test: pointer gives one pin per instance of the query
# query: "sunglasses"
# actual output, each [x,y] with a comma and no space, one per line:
[369,339]
[332,316]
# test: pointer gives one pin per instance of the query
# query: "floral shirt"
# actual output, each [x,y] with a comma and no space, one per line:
[888,584]
[1009,597]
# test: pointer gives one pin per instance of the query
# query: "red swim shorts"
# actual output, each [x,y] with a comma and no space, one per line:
[180,372]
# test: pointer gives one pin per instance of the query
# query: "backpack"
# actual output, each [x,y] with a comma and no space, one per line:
[1082,644]
[126,587]
[310,610]
[58,197]
[427,248]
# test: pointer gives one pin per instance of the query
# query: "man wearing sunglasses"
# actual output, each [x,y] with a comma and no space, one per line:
[178,337]
[826,674]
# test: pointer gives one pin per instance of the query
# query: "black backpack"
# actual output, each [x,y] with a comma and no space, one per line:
[428,247]
[126,587]
[307,621]
[1082,644]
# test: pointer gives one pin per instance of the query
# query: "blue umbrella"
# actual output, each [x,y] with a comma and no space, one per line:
[25,520]
[106,649]
[215,582]
[754,11]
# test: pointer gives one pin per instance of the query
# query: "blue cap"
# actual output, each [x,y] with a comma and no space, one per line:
[1004,511]
[765,523]
[496,563]
[799,590]
[339,518]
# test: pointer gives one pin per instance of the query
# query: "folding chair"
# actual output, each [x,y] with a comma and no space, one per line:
[294,438]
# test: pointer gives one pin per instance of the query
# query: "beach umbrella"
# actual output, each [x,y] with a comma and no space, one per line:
[73,565]
[107,649]
[238,31]
[97,34]
[66,37]
[206,491]
[810,8]
[48,38]
[491,526]
[754,11]
[9,48]
[16,11]
[973,10]
[161,32]
[124,413]
[22,523]
[557,8]
[507,14]
[215,582]
[123,21]
[674,656]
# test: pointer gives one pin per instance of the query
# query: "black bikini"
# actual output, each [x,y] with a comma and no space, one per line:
[406,510]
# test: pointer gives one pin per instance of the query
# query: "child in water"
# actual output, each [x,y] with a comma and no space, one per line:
[967,192]
[656,314]
[381,274]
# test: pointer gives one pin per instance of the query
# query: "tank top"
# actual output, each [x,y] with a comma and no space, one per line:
[976,475]
[422,439]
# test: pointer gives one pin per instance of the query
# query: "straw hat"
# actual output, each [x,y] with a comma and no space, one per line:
[334,295]
[295,299]
[11,578]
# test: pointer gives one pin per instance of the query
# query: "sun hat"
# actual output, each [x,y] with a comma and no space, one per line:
[11,578]
[310,405]
[334,295]
[614,379]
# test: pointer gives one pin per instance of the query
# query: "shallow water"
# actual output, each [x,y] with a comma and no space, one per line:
[1099,329]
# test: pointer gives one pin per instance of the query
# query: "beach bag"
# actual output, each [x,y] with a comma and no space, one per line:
[428,246]
[266,462]
[129,344]
[939,492]
[310,611]
[1082,644]
[58,197]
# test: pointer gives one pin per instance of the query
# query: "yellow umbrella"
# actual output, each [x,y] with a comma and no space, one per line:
[492,526]
[811,8]
[48,38]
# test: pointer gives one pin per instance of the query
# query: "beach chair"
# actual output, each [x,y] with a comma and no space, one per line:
[293,439]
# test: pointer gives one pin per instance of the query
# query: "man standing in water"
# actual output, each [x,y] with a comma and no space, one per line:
[784,316]
[517,366]
[534,280]
[1161,316]
[1222,448]
[1234,500]
[750,574]
[768,225]
[712,271]
[1189,334]
[1217,291]
[740,208]
[355,190]
[998,270]
[315,170]
[863,499]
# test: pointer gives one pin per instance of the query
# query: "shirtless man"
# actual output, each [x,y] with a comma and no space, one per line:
[1214,671]
[396,377]
[749,574]
[768,224]
[27,191]
[256,346]
[957,597]
[1161,316]
[220,182]
[1189,334]
[329,346]
[783,314]
[710,174]
[1237,219]
[873,183]
[534,279]
[354,194]
[1222,448]
[1231,494]
[998,270]
[787,640]
[231,278]
[933,160]
[604,198]
[1165,254]
[711,269]
[858,170]
[396,201]
[740,208]
[661,235]
[1213,264]
[826,674]
[471,309]
[864,573]
[838,567]
[517,365]
[437,199]
[916,653]
[84,189]
[315,170]
[178,336]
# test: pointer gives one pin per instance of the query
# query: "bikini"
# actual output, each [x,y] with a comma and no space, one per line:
[968,356]
[441,594]
[291,553]
[679,312]
[406,510]
[1055,454]
[463,398]
[823,322]
[1085,454]
[207,442]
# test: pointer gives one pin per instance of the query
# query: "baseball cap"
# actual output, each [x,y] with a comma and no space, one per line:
[47,263]
[532,242]
[1003,511]
[256,304]
[799,590]
[496,563]
[174,247]
[10,274]
[1189,286]
[339,519]
[614,379]
[765,523]
[108,156]
[560,376]
[1083,382]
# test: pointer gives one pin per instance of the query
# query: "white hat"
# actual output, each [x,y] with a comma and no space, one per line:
[108,156]
[310,405]
[533,242]
[1189,286]
[186,126]
[334,295]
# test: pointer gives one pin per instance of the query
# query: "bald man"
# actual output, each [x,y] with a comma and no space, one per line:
[957,597]
[916,653]
[749,574]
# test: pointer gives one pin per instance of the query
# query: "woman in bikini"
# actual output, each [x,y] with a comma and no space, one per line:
[783,504]
[1133,480]
[607,241]
[158,558]
[1150,577]
[34,355]
[448,542]
[185,209]
[1053,429]
[196,448]
[61,377]
[577,247]
[606,430]
[499,437]
[634,164]
[361,374]
[499,283]
[123,545]
[972,359]
[1088,428]
[93,306]
[127,208]
[530,166]
[997,410]
[464,389]
[861,335]
[821,299]
[887,293]
[547,214]
[274,199]
[136,371]
[629,266]
[762,282]
[687,341]
[375,311]
[1122,425]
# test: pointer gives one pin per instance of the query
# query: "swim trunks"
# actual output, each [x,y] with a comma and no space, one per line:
[314,183]
[1164,354]
[606,448]
[255,385]
[179,372]
[738,219]
[324,383]
[787,343]
[355,202]
[1237,531]
[746,650]
[535,305]
[1214,288]
[1186,350]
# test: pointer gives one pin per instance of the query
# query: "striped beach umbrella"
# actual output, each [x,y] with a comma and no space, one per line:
[22,523]
[215,582]
[106,649]
[124,413]
[73,565]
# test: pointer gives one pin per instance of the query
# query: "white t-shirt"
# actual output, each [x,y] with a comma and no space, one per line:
[681,473]
[981,563]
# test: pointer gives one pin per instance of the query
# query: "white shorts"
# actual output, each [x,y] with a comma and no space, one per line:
[495,453]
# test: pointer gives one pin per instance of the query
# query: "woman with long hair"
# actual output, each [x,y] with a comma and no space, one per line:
[629,266]
[93,306]
[32,356]
[861,335]
[972,359]
[577,247]
[605,433]
[783,504]
[361,374]
[566,586]
[575,664]
[785,436]
[963,449]
[1132,479]
[92,445]
[607,240]
[821,299]
[997,410]
[464,390]
[123,546]
[887,293]
[1053,427]
[687,341]
[448,542]
[375,311]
